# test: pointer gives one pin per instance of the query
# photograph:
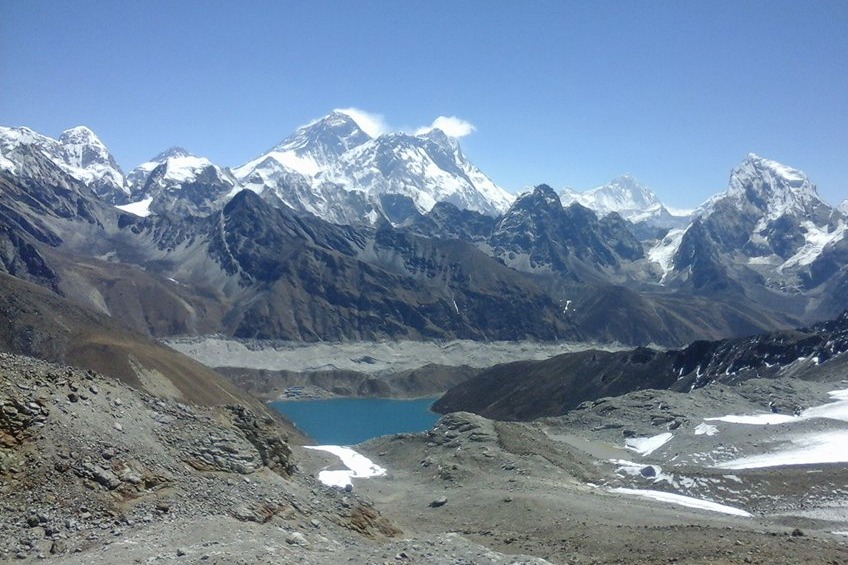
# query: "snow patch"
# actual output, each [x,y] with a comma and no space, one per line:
[810,449]
[358,466]
[766,419]
[140,208]
[687,501]
[837,410]
[647,445]
[705,429]
[663,252]
[815,240]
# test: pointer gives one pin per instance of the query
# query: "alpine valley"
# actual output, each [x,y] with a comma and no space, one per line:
[622,382]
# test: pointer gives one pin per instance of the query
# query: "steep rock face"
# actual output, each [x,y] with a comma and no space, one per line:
[447,221]
[314,280]
[701,261]
[43,206]
[766,210]
[538,233]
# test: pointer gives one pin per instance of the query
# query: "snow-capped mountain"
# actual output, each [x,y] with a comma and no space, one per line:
[780,210]
[769,223]
[78,152]
[428,168]
[630,199]
[313,148]
[297,172]
[843,207]
[178,183]
[332,162]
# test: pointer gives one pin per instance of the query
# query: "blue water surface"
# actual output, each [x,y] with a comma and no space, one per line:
[347,421]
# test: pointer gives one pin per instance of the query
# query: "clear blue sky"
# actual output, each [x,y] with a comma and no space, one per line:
[568,93]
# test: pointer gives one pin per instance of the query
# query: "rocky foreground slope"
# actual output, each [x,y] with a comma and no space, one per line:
[94,471]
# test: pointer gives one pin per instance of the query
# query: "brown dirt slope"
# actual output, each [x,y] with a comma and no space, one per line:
[38,323]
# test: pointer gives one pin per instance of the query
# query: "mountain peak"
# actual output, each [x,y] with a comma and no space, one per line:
[542,194]
[790,176]
[82,148]
[626,193]
[79,134]
[627,197]
[334,133]
[171,153]
[773,187]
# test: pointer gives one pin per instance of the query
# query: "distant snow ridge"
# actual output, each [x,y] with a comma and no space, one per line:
[630,199]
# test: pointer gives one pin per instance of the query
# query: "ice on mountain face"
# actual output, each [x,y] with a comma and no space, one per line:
[185,169]
[816,239]
[140,208]
[7,165]
[78,152]
[843,207]
[776,188]
[624,195]
[664,251]
[314,147]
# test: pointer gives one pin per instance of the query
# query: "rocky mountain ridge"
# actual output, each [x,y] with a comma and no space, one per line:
[528,390]
[767,254]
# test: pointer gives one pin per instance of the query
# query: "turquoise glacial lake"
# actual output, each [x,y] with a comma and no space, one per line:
[347,421]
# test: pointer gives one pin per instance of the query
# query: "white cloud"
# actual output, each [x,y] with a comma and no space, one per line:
[372,124]
[451,125]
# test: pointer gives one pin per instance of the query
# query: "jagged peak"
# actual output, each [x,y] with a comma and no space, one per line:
[775,186]
[539,193]
[793,177]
